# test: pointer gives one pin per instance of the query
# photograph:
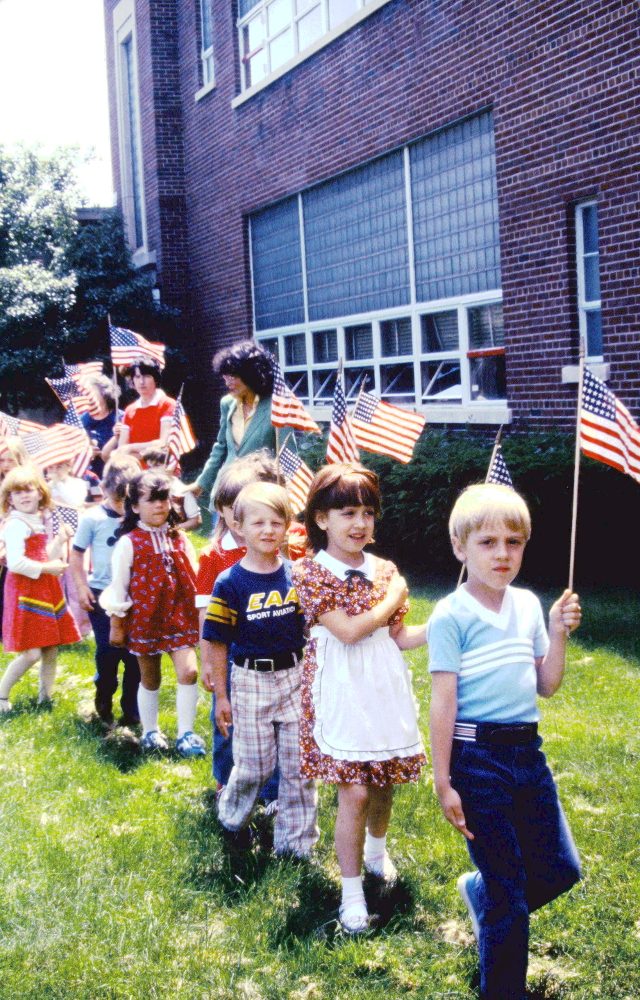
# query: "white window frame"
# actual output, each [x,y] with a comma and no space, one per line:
[124,30]
[207,64]
[365,8]
[585,306]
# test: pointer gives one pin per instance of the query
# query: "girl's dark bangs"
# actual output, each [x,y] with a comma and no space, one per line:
[158,493]
[352,491]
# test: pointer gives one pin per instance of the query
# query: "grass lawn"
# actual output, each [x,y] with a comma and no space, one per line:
[115,883]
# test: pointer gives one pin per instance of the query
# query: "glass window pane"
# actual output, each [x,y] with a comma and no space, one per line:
[295,349]
[396,383]
[590,228]
[441,382]
[356,379]
[592,278]
[340,10]
[278,15]
[594,333]
[309,28]
[323,386]
[302,5]
[298,382]
[488,379]
[205,21]
[253,35]
[325,346]
[440,332]
[277,266]
[358,342]
[486,328]
[271,345]
[395,337]
[281,49]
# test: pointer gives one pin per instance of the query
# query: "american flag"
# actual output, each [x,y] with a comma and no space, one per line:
[84,369]
[181,438]
[64,515]
[286,408]
[68,390]
[298,478]
[498,471]
[608,432]
[64,442]
[341,443]
[16,425]
[127,347]
[385,429]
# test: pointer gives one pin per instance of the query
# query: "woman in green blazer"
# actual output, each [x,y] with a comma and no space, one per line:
[245,412]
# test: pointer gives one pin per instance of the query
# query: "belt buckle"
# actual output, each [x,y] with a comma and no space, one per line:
[264,659]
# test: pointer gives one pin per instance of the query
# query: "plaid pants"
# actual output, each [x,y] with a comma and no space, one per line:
[266,716]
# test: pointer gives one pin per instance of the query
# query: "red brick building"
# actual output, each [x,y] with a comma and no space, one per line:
[442,193]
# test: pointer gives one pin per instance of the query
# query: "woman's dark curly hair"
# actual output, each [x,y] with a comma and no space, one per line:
[157,486]
[249,362]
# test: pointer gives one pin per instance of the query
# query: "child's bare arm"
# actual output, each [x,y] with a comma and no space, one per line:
[214,657]
[409,636]
[444,704]
[85,596]
[564,617]
[350,629]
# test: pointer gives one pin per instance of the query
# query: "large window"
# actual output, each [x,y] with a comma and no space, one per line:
[588,266]
[394,268]
[131,177]
[274,32]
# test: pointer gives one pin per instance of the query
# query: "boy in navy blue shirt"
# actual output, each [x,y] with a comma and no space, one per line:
[255,618]
[489,656]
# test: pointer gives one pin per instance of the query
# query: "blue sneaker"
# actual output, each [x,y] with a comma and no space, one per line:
[154,740]
[468,888]
[191,745]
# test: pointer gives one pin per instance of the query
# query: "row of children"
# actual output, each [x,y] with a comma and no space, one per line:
[341,709]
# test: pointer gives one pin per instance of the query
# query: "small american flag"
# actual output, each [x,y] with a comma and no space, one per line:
[181,438]
[498,471]
[608,432]
[64,442]
[84,369]
[286,408]
[16,425]
[341,443]
[68,390]
[127,347]
[64,515]
[298,478]
[385,429]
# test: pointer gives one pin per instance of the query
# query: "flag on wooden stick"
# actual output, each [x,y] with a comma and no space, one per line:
[297,477]
[181,438]
[127,347]
[498,471]
[83,369]
[286,408]
[69,390]
[341,443]
[385,429]
[608,432]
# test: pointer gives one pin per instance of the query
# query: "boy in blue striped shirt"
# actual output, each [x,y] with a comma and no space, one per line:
[489,657]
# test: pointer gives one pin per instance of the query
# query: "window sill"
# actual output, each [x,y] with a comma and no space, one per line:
[301,57]
[208,87]
[571,373]
[474,413]
[143,258]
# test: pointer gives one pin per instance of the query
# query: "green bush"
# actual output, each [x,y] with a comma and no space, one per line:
[417,499]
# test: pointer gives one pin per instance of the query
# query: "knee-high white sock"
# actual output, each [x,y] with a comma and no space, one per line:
[16,669]
[47,672]
[148,702]
[374,847]
[186,704]
[352,892]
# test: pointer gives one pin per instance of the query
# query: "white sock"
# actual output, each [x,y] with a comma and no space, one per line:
[374,847]
[186,704]
[352,892]
[16,669]
[47,672]
[148,703]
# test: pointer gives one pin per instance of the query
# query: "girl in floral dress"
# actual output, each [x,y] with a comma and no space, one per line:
[359,724]
[151,603]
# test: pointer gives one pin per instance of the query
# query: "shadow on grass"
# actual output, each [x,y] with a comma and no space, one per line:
[119,747]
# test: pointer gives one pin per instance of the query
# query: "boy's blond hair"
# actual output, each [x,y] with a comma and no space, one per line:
[21,478]
[485,504]
[270,494]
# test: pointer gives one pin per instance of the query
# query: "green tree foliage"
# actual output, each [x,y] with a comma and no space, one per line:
[59,279]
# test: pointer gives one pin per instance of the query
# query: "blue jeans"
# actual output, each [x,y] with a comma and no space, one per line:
[107,661]
[223,753]
[522,848]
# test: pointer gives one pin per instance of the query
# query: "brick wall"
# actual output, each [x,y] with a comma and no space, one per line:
[561,79]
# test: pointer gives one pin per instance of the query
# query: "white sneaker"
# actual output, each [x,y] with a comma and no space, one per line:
[354,918]
[382,867]
[5,706]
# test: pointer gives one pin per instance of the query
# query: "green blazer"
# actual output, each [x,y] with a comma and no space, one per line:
[259,434]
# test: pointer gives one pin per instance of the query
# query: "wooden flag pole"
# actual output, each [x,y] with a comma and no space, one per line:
[496,445]
[278,472]
[576,471]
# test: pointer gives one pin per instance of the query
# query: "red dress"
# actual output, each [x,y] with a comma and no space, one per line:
[162,590]
[35,612]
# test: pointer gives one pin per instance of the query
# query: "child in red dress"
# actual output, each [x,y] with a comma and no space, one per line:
[151,603]
[36,619]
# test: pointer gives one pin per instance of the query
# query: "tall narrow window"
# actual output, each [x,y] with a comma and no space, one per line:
[206,43]
[132,188]
[588,265]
